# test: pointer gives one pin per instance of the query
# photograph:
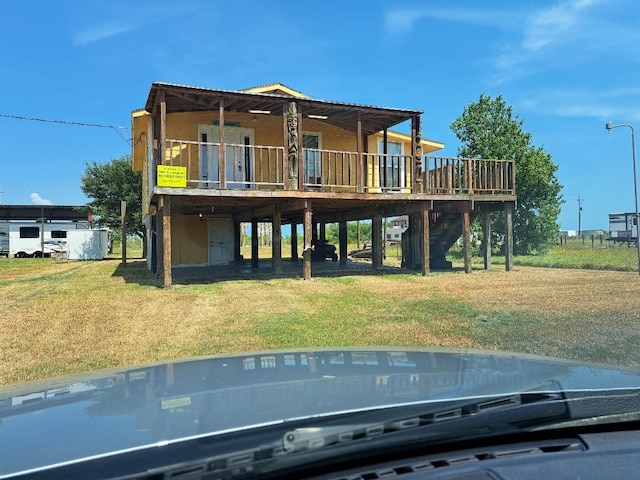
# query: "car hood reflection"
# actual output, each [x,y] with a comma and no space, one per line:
[67,419]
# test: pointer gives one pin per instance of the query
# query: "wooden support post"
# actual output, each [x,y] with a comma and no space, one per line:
[416,141]
[342,242]
[300,153]
[508,236]
[163,129]
[323,231]
[254,243]
[382,182]
[294,242]
[486,238]
[158,239]
[276,243]
[166,240]
[306,254]
[426,247]
[415,250]
[123,231]
[292,145]
[360,156]
[222,170]
[466,236]
[237,240]
[376,243]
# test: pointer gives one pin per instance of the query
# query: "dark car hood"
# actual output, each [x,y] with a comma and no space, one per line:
[67,419]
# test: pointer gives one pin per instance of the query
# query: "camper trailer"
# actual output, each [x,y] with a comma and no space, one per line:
[623,227]
[22,239]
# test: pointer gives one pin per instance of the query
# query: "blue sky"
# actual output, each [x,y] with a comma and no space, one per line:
[566,67]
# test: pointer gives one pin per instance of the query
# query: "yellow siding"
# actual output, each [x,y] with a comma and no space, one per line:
[189,240]
[139,150]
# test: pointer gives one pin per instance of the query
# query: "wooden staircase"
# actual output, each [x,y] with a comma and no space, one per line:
[445,230]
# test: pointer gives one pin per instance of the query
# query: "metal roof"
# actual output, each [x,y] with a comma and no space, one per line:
[49,212]
[185,98]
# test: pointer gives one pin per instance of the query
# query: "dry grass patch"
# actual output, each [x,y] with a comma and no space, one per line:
[68,318]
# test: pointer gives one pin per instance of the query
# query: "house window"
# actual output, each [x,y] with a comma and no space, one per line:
[29,232]
[391,165]
[58,234]
[312,158]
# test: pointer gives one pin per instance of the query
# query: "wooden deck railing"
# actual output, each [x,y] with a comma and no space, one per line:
[388,172]
[245,166]
[264,167]
[329,169]
[449,176]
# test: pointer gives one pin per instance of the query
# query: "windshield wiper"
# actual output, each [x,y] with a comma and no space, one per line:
[515,411]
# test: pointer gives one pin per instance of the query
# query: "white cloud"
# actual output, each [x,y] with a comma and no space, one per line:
[117,20]
[620,104]
[555,24]
[402,21]
[36,199]
[101,32]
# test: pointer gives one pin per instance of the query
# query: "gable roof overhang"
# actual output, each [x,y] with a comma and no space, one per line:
[183,98]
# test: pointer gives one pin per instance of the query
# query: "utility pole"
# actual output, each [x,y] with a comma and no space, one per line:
[580,216]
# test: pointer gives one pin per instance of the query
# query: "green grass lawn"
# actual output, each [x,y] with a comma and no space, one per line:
[576,254]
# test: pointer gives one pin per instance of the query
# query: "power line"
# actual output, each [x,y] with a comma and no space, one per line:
[67,122]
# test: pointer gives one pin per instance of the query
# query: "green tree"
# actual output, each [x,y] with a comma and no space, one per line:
[333,230]
[489,129]
[107,184]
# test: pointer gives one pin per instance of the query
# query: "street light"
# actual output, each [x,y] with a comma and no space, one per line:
[609,126]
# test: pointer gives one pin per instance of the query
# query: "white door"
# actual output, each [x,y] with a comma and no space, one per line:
[220,241]
[238,157]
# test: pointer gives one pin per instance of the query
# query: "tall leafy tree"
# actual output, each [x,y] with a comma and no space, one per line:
[489,129]
[107,184]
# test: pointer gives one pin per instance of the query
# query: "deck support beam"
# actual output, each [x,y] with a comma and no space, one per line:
[486,238]
[166,241]
[376,241]
[466,236]
[416,149]
[416,238]
[342,242]
[222,171]
[508,236]
[426,247]
[276,244]
[360,156]
[237,241]
[292,144]
[294,242]
[299,151]
[306,254]
[254,243]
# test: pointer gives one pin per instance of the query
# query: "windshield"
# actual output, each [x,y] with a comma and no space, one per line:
[231,215]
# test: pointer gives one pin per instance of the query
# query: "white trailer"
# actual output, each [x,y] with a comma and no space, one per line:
[623,227]
[36,239]
[4,239]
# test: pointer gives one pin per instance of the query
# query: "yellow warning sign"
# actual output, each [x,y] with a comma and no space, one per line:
[170,176]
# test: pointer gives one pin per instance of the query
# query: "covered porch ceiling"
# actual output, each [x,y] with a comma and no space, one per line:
[182,98]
